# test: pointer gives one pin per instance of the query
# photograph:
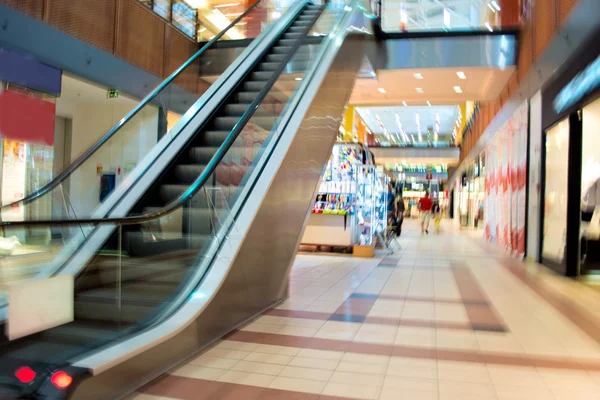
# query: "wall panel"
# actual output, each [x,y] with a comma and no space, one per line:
[563,8]
[91,21]
[179,49]
[544,25]
[32,8]
[141,37]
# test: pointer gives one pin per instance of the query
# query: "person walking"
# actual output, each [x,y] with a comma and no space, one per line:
[437,216]
[424,205]
[400,209]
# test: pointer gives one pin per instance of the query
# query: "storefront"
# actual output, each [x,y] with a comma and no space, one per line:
[349,211]
[570,179]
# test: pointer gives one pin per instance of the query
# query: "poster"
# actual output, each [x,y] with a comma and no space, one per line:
[506,182]
[13,179]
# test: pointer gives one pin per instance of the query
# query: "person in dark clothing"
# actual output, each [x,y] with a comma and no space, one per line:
[400,209]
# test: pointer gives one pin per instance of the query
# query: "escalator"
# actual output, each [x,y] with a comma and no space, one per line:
[203,240]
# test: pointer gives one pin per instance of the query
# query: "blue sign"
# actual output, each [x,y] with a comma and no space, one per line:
[584,83]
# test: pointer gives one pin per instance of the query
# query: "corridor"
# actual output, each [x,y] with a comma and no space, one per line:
[447,317]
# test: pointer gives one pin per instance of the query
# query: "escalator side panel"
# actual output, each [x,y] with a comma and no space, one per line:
[257,278]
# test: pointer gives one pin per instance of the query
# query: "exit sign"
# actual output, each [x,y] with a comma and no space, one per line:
[112,94]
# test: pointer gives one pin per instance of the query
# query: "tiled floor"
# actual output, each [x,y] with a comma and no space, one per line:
[447,317]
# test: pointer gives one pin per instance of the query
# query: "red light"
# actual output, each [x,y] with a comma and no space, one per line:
[25,374]
[61,379]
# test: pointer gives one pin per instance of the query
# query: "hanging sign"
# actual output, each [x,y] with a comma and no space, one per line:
[584,83]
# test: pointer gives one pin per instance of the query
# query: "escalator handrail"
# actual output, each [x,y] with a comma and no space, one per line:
[151,96]
[198,182]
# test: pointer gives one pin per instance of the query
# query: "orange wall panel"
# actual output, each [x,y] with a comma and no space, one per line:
[32,8]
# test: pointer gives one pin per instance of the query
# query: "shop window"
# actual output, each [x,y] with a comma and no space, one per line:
[590,189]
[555,202]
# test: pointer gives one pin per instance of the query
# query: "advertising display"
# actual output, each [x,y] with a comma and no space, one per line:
[13,178]
[505,184]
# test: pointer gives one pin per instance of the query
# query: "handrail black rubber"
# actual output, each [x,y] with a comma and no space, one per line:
[206,173]
[84,157]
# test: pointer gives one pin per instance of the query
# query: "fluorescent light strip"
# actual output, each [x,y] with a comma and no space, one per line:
[491,7]
[404,104]
[418,76]
[419,90]
[457,89]
[381,90]
[428,103]
[461,75]
[496,6]
[487,25]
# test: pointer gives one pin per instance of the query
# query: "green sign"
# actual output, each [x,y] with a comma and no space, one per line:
[113,94]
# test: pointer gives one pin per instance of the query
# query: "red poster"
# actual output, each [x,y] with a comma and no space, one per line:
[26,118]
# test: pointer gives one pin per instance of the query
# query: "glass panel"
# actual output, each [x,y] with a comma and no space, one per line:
[556,181]
[446,15]
[87,191]
[184,17]
[590,188]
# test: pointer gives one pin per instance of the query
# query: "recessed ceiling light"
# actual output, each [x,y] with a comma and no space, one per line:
[298,79]
[461,75]
[404,104]
[428,103]
[489,27]
[381,90]
[457,89]
[496,6]
[418,76]
[419,90]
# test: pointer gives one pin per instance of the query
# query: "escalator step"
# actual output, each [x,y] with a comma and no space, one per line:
[188,173]
[254,85]
[227,123]
[202,155]
[268,66]
[291,35]
[245,97]
[298,29]
[262,75]
[236,110]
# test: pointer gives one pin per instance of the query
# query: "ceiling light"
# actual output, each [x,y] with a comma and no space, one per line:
[419,90]
[496,6]
[404,104]
[381,90]
[197,3]
[487,25]
[298,79]
[461,75]
[418,76]
[457,89]
[428,103]
[491,7]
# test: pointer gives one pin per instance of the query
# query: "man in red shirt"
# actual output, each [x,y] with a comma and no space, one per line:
[425,204]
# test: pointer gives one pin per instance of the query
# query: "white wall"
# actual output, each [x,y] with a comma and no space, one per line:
[90,122]
[535,164]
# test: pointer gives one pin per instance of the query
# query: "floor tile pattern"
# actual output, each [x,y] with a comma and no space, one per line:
[446,317]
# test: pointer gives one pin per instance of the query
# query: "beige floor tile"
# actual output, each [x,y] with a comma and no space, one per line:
[352,390]
[463,372]
[510,392]
[366,358]
[246,378]
[297,331]
[258,367]
[269,358]
[321,354]
[192,371]
[392,393]
[263,328]
[298,385]
[357,378]
[314,363]
[279,350]
[312,374]
[468,388]
[143,396]
[226,353]
[412,368]
[214,362]
[515,376]
[410,383]
[233,345]
[362,367]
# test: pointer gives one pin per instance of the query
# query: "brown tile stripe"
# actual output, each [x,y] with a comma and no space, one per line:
[371,320]
[431,299]
[179,387]
[414,352]
[479,311]
[567,307]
